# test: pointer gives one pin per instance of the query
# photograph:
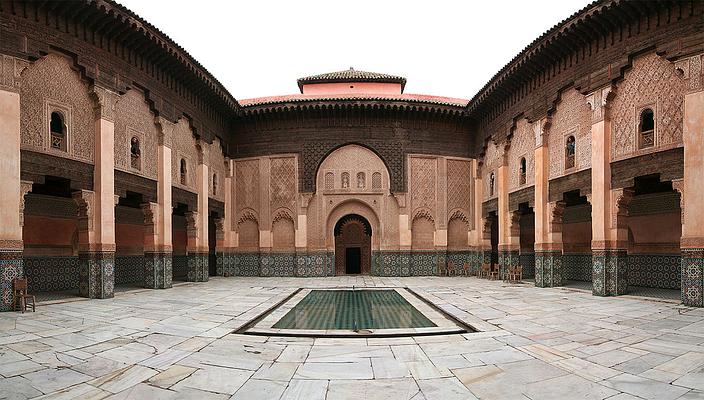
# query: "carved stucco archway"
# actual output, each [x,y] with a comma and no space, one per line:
[352,207]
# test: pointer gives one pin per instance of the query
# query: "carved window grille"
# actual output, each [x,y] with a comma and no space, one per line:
[135,153]
[522,171]
[646,129]
[215,184]
[570,150]
[345,180]
[376,180]
[58,131]
[492,179]
[361,180]
[329,181]
[183,169]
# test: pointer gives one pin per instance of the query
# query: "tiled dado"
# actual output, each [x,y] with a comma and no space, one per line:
[507,258]
[548,268]
[277,264]
[609,272]
[577,267]
[10,268]
[197,267]
[179,265]
[158,273]
[51,274]
[693,277]
[391,263]
[129,269]
[527,261]
[425,263]
[96,271]
[655,270]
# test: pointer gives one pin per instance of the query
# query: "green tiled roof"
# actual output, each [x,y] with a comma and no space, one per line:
[351,75]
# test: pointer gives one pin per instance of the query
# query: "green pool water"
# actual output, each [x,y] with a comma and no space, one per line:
[353,309]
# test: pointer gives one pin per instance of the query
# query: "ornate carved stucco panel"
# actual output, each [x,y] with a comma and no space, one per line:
[216,165]
[184,147]
[247,184]
[423,183]
[651,82]
[134,119]
[459,190]
[282,183]
[48,85]
[492,161]
[522,145]
[572,117]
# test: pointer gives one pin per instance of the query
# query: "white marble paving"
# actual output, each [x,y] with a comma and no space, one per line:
[533,343]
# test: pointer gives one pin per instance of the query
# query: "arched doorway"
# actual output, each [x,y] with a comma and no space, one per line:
[353,245]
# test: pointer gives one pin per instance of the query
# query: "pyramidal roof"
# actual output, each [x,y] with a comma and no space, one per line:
[351,75]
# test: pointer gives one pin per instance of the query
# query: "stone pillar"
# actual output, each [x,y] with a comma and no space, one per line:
[303,259]
[96,250]
[609,273]
[10,197]
[158,250]
[692,242]
[548,216]
[219,245]
[157,263]
[548,262]
[226,268]
[477,233]
[508,251]
[196,259]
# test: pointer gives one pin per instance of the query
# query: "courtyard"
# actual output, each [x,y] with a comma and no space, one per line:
[531,343]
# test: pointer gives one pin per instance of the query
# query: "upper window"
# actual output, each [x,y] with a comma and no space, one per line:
[135,153]
[522,171]
[345,180]
[376,180]
[183,169]
[329,181]
[570,149]
[646,129]
[491,184]
[57,128]
[361,180]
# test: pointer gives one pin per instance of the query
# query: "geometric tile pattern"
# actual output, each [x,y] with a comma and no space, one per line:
[10,268]
[51,274]
[424,263]
[197,267]
[179,265]
[548,268]
[655,270]
[610,272]
[320,263]
[693,277]
[506,259]
[527,261]
[577,267]
[96,271]
[129,269]
[246,264]
[158,272]
[277,264]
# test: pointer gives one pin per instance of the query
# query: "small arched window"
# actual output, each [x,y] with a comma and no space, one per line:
[345,180]
[491,184]
[329,181]
[376,181]
[646,128]
[57,128]
[361,180]
[135,153]
[522,171]
[183,169]
[215,184]
[570,149]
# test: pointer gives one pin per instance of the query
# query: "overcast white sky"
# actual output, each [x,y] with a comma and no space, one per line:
[260,47]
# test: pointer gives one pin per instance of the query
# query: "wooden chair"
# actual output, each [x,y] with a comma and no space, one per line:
[442,268]
[494,273]
[20,295]
[485,271]
[516,274]
[466,269]
[451,268]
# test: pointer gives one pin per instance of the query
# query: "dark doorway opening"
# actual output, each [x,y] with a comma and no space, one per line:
[212,243]
[494,238]
[353,258]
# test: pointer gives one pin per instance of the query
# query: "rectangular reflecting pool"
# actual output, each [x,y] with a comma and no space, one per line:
[349,312]
[353,310]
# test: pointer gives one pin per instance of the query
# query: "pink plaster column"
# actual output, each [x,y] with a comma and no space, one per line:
[508,248]
[481,248]
[609,272]
[197,247]
[226,267]
[692,242]
[10,196]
